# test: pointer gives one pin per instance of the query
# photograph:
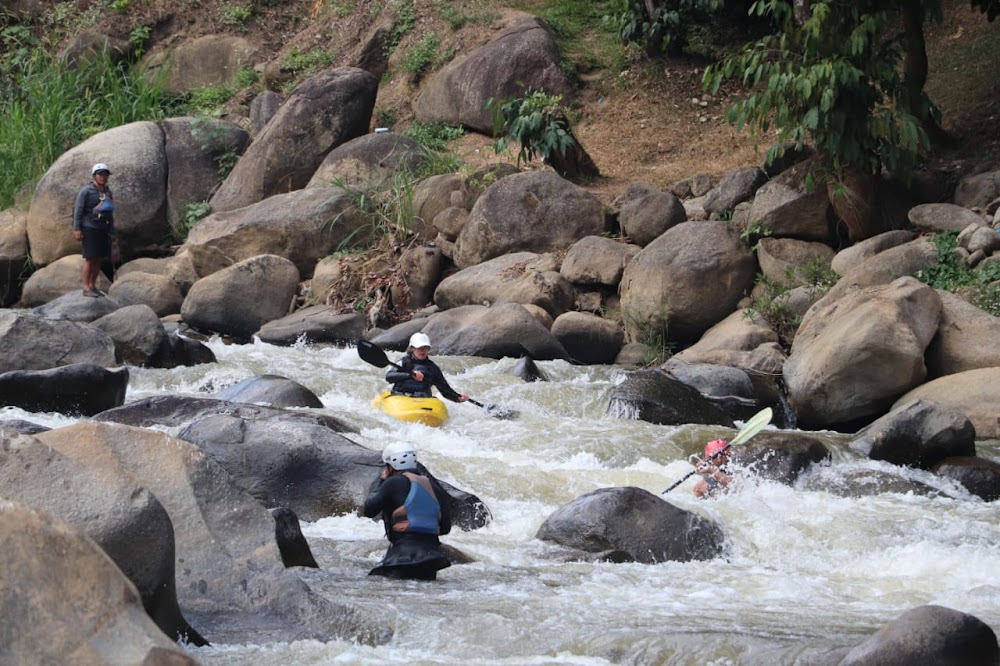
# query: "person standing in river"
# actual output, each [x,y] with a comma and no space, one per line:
[94,225]
[415,513]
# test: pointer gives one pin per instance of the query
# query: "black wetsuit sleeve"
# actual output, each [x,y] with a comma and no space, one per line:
[389,495]
[437,378]
[401,374]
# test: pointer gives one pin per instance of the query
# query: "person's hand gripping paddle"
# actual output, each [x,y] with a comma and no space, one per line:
[372,353]
[751,428]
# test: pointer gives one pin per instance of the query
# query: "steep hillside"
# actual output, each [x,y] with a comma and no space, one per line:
[639,119]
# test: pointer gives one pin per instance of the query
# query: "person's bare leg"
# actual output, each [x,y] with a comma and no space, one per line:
[93,268]
[85,274]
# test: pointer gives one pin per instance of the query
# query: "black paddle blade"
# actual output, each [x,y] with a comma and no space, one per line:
[502,413]
[372,353]
[496,411]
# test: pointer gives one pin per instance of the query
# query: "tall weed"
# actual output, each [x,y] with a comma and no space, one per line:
[55,107]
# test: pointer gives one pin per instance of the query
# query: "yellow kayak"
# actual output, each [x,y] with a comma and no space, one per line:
[429,411]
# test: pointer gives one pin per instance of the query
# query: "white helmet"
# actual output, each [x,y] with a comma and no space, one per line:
[418,340]
[100,166]
[400,456]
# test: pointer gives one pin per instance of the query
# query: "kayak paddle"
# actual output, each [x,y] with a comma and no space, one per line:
[372,353]
[749,429]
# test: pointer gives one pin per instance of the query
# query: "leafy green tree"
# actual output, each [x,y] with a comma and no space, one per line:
[846,76]
[662,26]
[539,124]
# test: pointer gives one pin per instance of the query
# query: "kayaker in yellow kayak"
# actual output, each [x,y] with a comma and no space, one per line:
[417,373]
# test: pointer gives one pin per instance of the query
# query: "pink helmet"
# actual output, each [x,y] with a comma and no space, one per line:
[715,446]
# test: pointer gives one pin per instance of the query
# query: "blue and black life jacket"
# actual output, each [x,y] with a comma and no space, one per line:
[420,513]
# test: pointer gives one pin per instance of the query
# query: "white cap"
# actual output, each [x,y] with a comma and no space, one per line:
[400,456]
[418,340]
[100,166]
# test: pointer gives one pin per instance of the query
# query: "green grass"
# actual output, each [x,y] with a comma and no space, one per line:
[952,273]
[583,37]
[53,107]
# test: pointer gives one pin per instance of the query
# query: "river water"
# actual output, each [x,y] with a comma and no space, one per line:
[804,569]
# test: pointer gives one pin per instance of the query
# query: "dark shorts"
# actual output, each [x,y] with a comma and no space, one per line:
[96,244]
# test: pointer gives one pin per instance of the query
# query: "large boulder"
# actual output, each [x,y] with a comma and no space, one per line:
[538,211]
[177,411]
[271,390]
[792,263]
[14,265]
[74,306]
[190,264]
[138,334]
[597,261]
[302,226]
[59,278]
[884,267]
[789,207]
[196,149]
[78,388]
[233,585]
[853,255]
[935,217]
[323,111]
[928,634]
[734,188]
[978,191]
[157,292]
[852,358]
[520,277]
[657,397]
[303,466]
[968,338]
[686,281]
[69,603]
[202,62]
[635,523]
[506,329]
[522,56]
[369,162]
[588,338]
[316,323]
[238,300]
[975,393]
[645,212]
[32,342]
[135,153]
[979,476]
[917,434]
[779,456]
[123,518]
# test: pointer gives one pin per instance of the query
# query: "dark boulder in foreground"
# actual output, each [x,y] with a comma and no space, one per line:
[655,396]
[80,388]
[633,522]
[929,635]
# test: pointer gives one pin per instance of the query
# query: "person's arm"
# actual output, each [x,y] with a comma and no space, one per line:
[111,223]
[437,378]
[79,210]
[400,374]
[389,494]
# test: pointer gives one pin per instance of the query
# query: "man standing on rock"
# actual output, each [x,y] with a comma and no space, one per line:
[94,224]
[414,511]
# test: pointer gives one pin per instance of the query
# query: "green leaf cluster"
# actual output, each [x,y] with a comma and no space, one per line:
[952,273]
[537,122]
[833,80]
[665,29]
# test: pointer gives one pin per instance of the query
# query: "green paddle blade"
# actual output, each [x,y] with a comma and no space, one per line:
[757,423]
